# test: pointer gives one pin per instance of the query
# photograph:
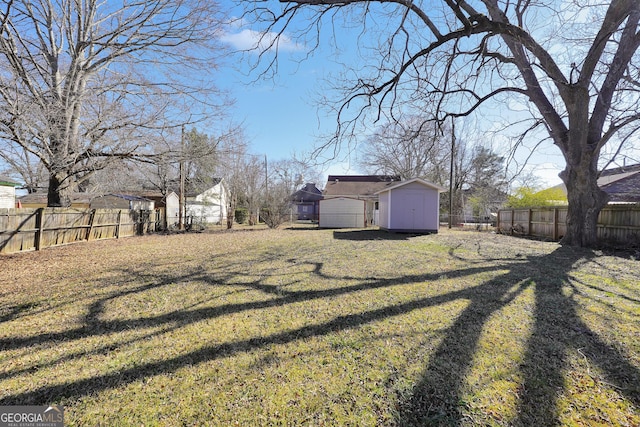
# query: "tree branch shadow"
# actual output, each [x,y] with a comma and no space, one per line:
[438,399]
[94,325]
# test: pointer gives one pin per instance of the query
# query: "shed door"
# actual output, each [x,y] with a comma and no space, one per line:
[411,210]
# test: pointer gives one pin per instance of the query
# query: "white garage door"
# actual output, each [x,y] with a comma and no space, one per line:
[341,213]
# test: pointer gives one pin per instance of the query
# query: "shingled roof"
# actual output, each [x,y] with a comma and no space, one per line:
[308,193]
[621,184]
[358,185]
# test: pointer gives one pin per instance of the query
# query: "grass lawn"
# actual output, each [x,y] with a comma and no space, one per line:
[316,327]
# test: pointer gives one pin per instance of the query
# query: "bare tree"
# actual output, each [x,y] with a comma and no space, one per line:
[243,173]
[84,83]
[253,182]
[198,153]
[21,163]
[408,149]
[575,64]
[285,177]
[417,148]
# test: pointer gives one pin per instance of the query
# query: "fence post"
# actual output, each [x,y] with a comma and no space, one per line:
[118,226]
[513,215]
[40,228]
[91,218]
[555,224]
[529,222]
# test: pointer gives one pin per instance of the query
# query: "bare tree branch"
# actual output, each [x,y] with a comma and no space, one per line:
[459,55]
[86,83]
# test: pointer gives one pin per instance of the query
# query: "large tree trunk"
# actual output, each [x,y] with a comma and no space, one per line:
[60,190]
[581,152]
[586,200]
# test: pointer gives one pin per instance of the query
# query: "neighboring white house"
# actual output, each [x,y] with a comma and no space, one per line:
[209,206]
[167,206]
[342,212]
[172,208]
[7,192]
[410,206]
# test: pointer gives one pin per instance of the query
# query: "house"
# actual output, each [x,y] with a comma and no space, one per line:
[360,187]
[7,192]
[307,202]
[208,205]
[410,206]
[168,206]
[622,184]
[342,212]
[122,201]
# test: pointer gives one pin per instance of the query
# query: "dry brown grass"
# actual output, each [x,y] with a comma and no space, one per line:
[323,327]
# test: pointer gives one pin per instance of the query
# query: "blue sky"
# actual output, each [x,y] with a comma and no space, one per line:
[280,115]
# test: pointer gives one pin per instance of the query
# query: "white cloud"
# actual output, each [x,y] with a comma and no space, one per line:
[260,41]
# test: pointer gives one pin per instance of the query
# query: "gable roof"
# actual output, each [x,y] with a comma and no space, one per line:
[621,184]
[625,189]
[417,180]
[41,198]
[154,195]
[358,185]
[308,193]
[127,197]
[192,187]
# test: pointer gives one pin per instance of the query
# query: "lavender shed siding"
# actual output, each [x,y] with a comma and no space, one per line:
[410,206]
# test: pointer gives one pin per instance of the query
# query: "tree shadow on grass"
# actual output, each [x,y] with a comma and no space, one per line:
[371,234]
[438,399]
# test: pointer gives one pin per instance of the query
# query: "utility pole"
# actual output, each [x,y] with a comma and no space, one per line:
[453,147]
[181,191]
[266,176]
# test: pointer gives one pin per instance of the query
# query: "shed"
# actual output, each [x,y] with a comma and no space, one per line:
[363,187]
[342,212]
[122,201]
[7,192]
[411,206]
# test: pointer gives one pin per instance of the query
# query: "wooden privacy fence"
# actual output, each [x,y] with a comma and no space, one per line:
[616,223]
[35,229]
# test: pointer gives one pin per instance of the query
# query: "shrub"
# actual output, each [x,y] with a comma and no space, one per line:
[525,197]
[241,215]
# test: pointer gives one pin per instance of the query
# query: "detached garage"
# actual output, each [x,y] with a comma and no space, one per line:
[342,212]
[410,206]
